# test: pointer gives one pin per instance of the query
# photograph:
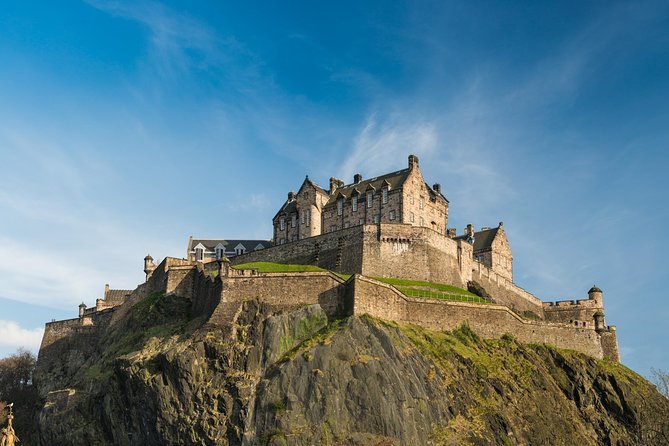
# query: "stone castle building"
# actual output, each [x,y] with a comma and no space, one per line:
[390,226]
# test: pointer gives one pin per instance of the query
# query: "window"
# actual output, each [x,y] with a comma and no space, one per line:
[302,217]
[340,206]
[361,221]
[333,228]
[354,203]
[411,217]
[347,225]
[392,215]
[422,222]
[240,251]
[384,195]
[370,197]
[282,223]
[283,240]
[293,220]
[376,218]
[308,216]
[220,252]
[411,199]
[199,254]
[420,203]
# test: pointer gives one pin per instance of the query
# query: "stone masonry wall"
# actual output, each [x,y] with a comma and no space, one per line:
[489,321]
[579,312]
[506,292]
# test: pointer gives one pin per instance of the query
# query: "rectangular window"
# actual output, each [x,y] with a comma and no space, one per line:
[361,221]
[347,225]
[302,217]
[333,228]
[384,194]
[308,216]
[354,203]
[420,204]
[392,215]
[422,222]
[411,199]
[411,217]
[282,223]
[340,206]
[370,197]
[293,220]
[376,218]
[283,240]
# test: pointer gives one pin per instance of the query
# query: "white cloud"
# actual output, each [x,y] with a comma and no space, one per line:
[15,336]
[384,140]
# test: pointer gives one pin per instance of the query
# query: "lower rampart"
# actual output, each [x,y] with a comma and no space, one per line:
[487,320]
[505,292]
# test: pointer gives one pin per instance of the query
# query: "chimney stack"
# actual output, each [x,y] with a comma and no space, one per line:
[334,184]
[291,196]
[437,188]
[413,161]
[469,230]
[357,178]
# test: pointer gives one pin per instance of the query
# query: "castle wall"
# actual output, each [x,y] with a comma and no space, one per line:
[577,312]
[487,320]
[340,251]
[505,292]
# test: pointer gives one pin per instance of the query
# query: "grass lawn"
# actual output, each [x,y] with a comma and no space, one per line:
[269,267]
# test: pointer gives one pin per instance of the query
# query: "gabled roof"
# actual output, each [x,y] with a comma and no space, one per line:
[482,239]
[230,245]
[394,180]
[287,208]
[307,181]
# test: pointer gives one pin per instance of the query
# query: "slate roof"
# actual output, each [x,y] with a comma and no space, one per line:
[395,180]
[287,208]
[117,295]
[230,245]
[482,239]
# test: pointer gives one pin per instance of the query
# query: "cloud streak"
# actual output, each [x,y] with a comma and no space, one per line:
[15,336]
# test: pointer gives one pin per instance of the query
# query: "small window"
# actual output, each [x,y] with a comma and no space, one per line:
[293,220]
[411,217]
[392,215]
[370,198]
[384,195]
[283,240]
[302,219]
[340,206]
[411,199]
[376,218]
[354,203]
[422,221]
[282,223]
[199,254]
[347,225]
[308,216]
[333,228]
[420,203]
[220,252]
[361,221]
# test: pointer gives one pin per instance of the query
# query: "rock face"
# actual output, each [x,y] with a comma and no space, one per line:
[291,377]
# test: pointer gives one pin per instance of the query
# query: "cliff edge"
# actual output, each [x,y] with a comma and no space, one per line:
[296,377]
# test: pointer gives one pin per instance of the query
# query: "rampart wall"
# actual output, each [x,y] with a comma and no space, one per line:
[487,320]
[577,312]
[505,292]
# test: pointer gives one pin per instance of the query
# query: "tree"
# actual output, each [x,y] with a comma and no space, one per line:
[661,380]
[16,386]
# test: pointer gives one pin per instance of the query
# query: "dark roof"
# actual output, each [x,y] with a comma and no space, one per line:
[315,186]
[287,208]
[482,239]
[395,180]
[230,245]
[117,295]
[594,289]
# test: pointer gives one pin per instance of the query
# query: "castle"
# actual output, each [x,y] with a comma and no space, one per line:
[362,235]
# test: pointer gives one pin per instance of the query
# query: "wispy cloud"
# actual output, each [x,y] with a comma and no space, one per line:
[15,336]
[385,139]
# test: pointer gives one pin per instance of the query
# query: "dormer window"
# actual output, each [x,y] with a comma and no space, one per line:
[384,195]
[240,249]
[340,206]
[370,198]
[199,254]
[220,252]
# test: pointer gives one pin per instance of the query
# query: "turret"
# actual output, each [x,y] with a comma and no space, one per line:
[334,184]
[600,323]
[82,309]
[595,294]
[149,266]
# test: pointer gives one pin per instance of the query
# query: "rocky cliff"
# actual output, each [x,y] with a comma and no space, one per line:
[293,377]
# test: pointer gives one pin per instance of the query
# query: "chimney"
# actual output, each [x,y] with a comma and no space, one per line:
[437,188]
[413,161]
[291,196]
[451,232]
[106,290]
[469,230]
[357,178]
[334,184]
[82,309]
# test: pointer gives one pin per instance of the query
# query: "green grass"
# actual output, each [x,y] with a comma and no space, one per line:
[412,292]
[269,267]
[419,283]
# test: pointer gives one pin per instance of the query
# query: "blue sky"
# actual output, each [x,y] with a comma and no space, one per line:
[125,127]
